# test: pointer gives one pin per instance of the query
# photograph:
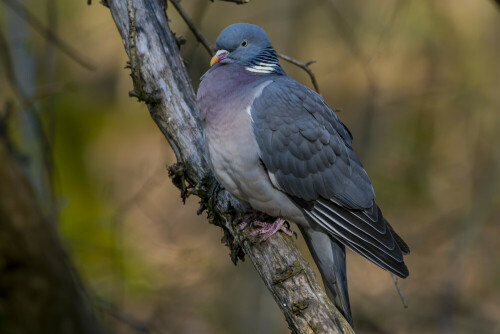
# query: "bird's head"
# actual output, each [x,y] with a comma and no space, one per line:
[245,44]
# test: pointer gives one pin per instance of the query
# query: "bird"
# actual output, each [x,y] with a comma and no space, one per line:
[276,145]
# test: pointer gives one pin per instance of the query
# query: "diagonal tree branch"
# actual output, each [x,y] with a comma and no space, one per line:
[160,79]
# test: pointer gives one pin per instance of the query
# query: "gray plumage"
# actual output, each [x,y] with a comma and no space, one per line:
[329,255]
[278,146]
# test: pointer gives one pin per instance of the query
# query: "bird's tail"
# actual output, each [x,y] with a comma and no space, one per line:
[329,255]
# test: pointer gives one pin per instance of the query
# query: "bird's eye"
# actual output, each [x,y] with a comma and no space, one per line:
[244,43]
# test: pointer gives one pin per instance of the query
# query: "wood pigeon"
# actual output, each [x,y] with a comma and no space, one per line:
[276,145]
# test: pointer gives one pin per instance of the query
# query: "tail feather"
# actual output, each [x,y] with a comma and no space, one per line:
[401,243]
[366,232]
[329,255]
[377,242]
[366,249]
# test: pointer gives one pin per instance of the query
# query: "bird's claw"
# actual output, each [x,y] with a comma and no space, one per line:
[253,216]
[268,229]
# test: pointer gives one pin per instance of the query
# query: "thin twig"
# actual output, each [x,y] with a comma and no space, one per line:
[304,66]
[209,47]
[238,2]
[403,299]
[40,93]
[135,324]
[48,33]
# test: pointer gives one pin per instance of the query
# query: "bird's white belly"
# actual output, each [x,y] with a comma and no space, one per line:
[233,154]
[238,168]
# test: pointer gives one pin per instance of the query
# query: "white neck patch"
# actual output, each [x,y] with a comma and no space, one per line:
[262,68]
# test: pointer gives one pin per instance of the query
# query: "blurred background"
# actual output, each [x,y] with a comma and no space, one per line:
[418,85]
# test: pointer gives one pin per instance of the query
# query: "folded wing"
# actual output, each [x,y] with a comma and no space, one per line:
[307,152]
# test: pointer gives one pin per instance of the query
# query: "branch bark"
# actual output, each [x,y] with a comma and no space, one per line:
[160,79]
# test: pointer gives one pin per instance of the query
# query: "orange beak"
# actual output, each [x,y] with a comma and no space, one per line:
[221,54]
[214,60]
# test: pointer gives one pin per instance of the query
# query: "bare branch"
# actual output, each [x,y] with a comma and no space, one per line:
[48,33]
[206,44]
[159,70]
[403,299]
[304,66]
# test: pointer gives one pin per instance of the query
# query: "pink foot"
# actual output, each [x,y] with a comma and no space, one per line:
[268,229]
[255,216]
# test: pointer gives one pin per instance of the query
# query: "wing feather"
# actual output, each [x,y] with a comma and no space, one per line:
[307,152]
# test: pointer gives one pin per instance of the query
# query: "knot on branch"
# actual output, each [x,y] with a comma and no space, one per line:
[236,252]
[176,173]
[180,40]
[300,306]
[208,191]
[290,271]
